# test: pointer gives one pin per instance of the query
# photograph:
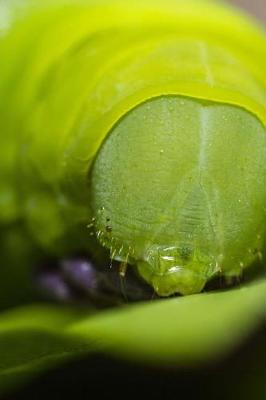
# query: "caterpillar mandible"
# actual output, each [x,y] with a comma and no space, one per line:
[145,121]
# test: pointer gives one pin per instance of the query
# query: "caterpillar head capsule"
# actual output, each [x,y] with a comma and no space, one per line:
[169,197]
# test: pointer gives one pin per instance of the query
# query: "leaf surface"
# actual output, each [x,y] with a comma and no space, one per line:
[179,331]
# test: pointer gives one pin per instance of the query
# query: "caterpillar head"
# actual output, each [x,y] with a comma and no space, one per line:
[169,196]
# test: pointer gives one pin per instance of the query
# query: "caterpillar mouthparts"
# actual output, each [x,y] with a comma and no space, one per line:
[173,270]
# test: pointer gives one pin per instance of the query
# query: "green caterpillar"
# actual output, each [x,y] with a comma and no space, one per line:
[142,123]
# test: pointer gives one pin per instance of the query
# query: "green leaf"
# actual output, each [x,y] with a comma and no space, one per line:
[179,331]
[33,338]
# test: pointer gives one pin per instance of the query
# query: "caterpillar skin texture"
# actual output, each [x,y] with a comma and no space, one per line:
[144,121]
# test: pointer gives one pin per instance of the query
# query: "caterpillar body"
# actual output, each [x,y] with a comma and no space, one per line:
[144,121]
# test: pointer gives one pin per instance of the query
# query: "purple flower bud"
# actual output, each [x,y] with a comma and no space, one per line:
[53,285]
[80,273]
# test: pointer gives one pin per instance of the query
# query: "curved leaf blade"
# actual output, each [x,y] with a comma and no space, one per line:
[180,331]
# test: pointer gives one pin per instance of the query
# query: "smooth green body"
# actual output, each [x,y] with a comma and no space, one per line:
[73,72]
